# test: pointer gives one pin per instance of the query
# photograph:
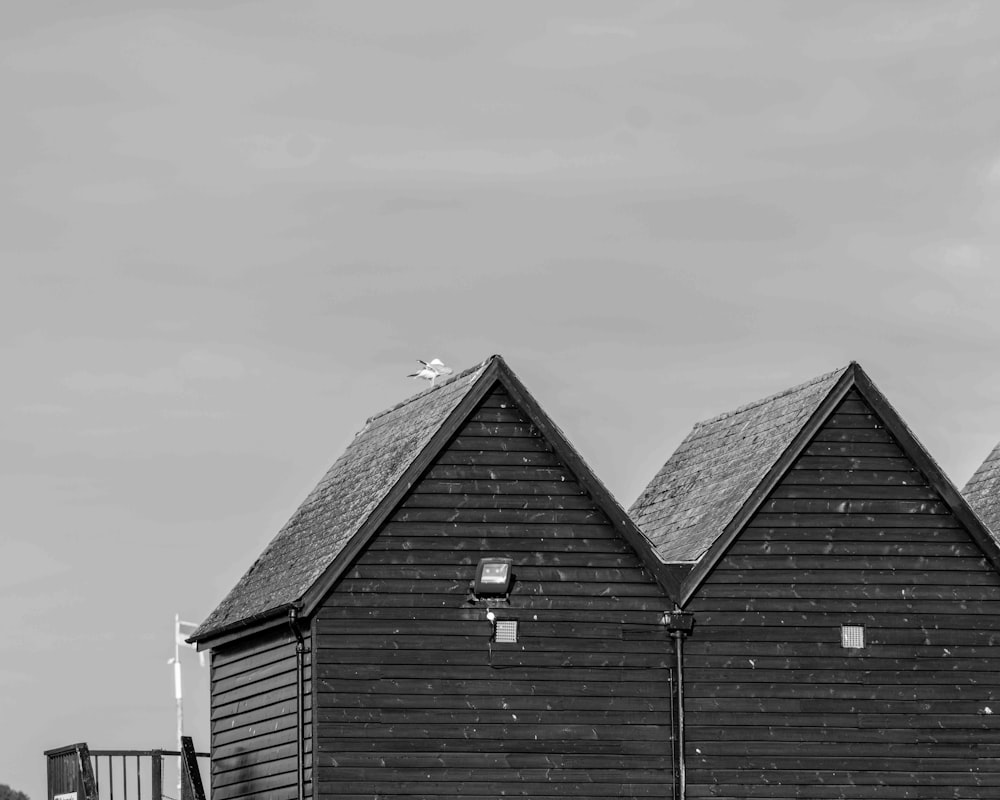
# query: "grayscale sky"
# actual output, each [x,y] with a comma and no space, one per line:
[229,229]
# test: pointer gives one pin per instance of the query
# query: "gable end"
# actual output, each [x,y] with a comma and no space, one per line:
[854,384]
[497,376]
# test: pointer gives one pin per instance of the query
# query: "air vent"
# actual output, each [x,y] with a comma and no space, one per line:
[852,636]
[506,631]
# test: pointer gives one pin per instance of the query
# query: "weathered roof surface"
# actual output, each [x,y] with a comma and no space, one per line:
[340,504]
[687,506]
[983,492]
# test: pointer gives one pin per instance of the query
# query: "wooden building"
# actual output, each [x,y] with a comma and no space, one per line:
[417,682]
[460,609]
[845,597]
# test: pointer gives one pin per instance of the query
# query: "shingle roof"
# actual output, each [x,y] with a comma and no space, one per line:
[338,507]
[713,472]
[983,492]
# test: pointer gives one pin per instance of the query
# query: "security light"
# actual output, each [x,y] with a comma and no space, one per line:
[493,577]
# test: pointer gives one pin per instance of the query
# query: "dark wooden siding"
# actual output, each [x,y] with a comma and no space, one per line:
[777,708]
[254,718]
[411,702]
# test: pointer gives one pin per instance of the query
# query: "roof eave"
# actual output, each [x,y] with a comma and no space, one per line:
[225,634]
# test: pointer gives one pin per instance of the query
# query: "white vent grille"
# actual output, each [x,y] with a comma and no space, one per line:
[852,636]
[506,631]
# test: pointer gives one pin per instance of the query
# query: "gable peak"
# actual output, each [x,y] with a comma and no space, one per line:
[473,372]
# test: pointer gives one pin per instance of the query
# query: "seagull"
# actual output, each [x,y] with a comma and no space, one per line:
[431,370]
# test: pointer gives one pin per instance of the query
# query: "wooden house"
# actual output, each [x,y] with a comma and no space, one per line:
[800,605]
[845,598]
[416,675]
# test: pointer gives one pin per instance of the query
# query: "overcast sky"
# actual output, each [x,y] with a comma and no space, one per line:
[228,234]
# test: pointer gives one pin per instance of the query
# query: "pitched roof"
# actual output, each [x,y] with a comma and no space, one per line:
[713,472]
[356,484]
[983,491]
[338,518]
[697,504]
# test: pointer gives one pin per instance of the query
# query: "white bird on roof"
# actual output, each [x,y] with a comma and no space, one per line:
[431,370]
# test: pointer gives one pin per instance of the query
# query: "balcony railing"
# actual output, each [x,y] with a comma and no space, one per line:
[76,772]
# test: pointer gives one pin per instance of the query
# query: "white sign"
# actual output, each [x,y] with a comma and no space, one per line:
[66,796]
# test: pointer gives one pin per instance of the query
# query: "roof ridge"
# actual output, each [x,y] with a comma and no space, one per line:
[771,398]
[424,392]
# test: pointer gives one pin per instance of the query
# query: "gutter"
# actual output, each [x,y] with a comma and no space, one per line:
[234,631]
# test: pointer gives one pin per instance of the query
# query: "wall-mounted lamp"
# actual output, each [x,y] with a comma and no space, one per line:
[494,577]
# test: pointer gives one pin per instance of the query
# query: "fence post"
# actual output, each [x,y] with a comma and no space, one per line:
[87,783]
[157,775]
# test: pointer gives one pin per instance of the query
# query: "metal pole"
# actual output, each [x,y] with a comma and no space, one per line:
[179,692]
[179,696]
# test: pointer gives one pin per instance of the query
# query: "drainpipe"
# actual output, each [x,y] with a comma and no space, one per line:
[680,624]
[300,714]
[678,638]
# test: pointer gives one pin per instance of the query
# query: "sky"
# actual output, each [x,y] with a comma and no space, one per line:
[228,230]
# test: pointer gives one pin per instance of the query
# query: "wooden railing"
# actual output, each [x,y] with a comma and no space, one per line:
[76,772]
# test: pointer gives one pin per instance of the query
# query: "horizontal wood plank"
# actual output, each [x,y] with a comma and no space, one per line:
[541,516]
[490,760]
[498,472]
[497,487]
[865,506]
[488,443]
[848,546]
[525,501]
[894,491]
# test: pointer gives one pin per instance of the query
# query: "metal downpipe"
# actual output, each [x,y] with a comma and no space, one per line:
[678,637]
[300,720]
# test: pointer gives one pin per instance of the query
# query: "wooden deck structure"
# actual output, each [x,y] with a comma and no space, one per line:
[76,772]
